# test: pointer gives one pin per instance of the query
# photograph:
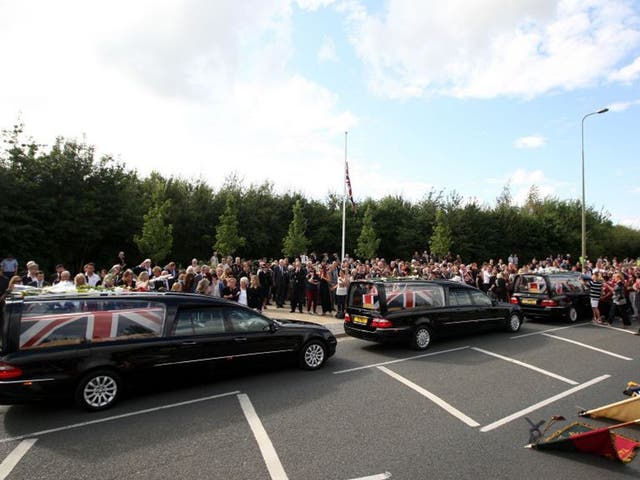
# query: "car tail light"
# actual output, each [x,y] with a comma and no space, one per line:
[381,323]
[347,318]
[513,300]
[549,303]
[8,371]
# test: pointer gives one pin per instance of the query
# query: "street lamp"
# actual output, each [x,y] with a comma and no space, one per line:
[584,221]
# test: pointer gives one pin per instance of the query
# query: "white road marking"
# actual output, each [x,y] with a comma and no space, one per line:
[380,476]
[400,360]
[116,417]
[623,330]
[542,332]
[595,349]
[527,365]
[541,404]
[276,471]
[9,463]
[434,398]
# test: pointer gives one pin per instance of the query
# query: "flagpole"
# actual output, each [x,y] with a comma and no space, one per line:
[344,196]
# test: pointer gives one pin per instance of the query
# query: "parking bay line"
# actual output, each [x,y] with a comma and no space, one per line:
[399,360]
[269,454]
[595,349]
[611,328]
[544,403]
[526,365]
[379,476]
[116,417]
[434,398]
[9,463]
[542,332]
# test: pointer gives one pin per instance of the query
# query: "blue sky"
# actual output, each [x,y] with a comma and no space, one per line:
[457,96]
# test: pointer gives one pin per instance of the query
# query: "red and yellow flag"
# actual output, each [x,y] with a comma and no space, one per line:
[579,437]
[623,411]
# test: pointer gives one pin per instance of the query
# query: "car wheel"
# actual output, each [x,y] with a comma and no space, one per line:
[514,323]
[572,314]
[98,390]
[313,355]
[421,339]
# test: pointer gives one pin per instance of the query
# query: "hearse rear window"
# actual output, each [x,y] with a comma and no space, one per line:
[364,295]
[531,284]
[55,323]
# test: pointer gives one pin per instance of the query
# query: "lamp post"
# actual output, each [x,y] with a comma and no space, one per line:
[584,220]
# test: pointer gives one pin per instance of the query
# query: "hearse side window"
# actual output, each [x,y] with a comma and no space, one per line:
[402,296]
[67,322]
[200,321]
[561,285]
[459,297]
[246,321]
[479,298]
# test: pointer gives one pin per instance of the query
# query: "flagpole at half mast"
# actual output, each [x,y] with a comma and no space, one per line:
[344,197]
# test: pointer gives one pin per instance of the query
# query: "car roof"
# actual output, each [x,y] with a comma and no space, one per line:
[384,281]
[553,274]
[110,295]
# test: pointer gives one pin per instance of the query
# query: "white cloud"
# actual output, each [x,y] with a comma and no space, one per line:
[628,73]
[521,180]
[327,51]
[313,5]
[632,222]
[532,141]
[490,48]
[622,106]
[196,89]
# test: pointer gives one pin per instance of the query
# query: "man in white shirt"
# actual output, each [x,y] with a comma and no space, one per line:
[90,274]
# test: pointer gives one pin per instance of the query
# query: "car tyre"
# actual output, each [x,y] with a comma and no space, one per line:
[514,322]
[98,390]
[313,355]
[421,339]
[572,314]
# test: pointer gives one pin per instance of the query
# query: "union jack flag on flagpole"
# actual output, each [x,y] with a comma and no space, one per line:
[348,182]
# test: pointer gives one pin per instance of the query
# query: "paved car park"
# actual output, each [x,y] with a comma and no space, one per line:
[375,411]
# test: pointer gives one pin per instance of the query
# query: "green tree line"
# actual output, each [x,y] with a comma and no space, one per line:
[62,204]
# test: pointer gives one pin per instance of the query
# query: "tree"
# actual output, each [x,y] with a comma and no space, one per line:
[441,239]
[368,242]
[296,241]
[157,237]
[228,238]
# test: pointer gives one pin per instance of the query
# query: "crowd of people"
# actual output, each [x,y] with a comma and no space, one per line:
[318,284]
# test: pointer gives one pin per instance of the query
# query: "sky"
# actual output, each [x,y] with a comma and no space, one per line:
[453,96]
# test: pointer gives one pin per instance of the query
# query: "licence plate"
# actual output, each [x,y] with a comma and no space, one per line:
[360,320]
[529,301]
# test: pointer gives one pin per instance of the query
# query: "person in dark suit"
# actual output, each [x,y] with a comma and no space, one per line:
[281,282]
[39,282]
[298,281]
[32,269]
[4,283]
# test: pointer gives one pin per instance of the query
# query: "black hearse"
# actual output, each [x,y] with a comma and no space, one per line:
[89,345]
[414,311]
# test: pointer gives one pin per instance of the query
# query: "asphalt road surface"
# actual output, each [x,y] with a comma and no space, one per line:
[374,412]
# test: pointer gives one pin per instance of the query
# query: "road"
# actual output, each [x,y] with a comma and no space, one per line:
[374,412]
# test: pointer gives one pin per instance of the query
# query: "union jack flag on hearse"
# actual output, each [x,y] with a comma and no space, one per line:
[397,300]
[75,327]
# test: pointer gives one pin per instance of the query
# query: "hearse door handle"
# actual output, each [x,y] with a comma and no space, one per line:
[188,343]
[240,339]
